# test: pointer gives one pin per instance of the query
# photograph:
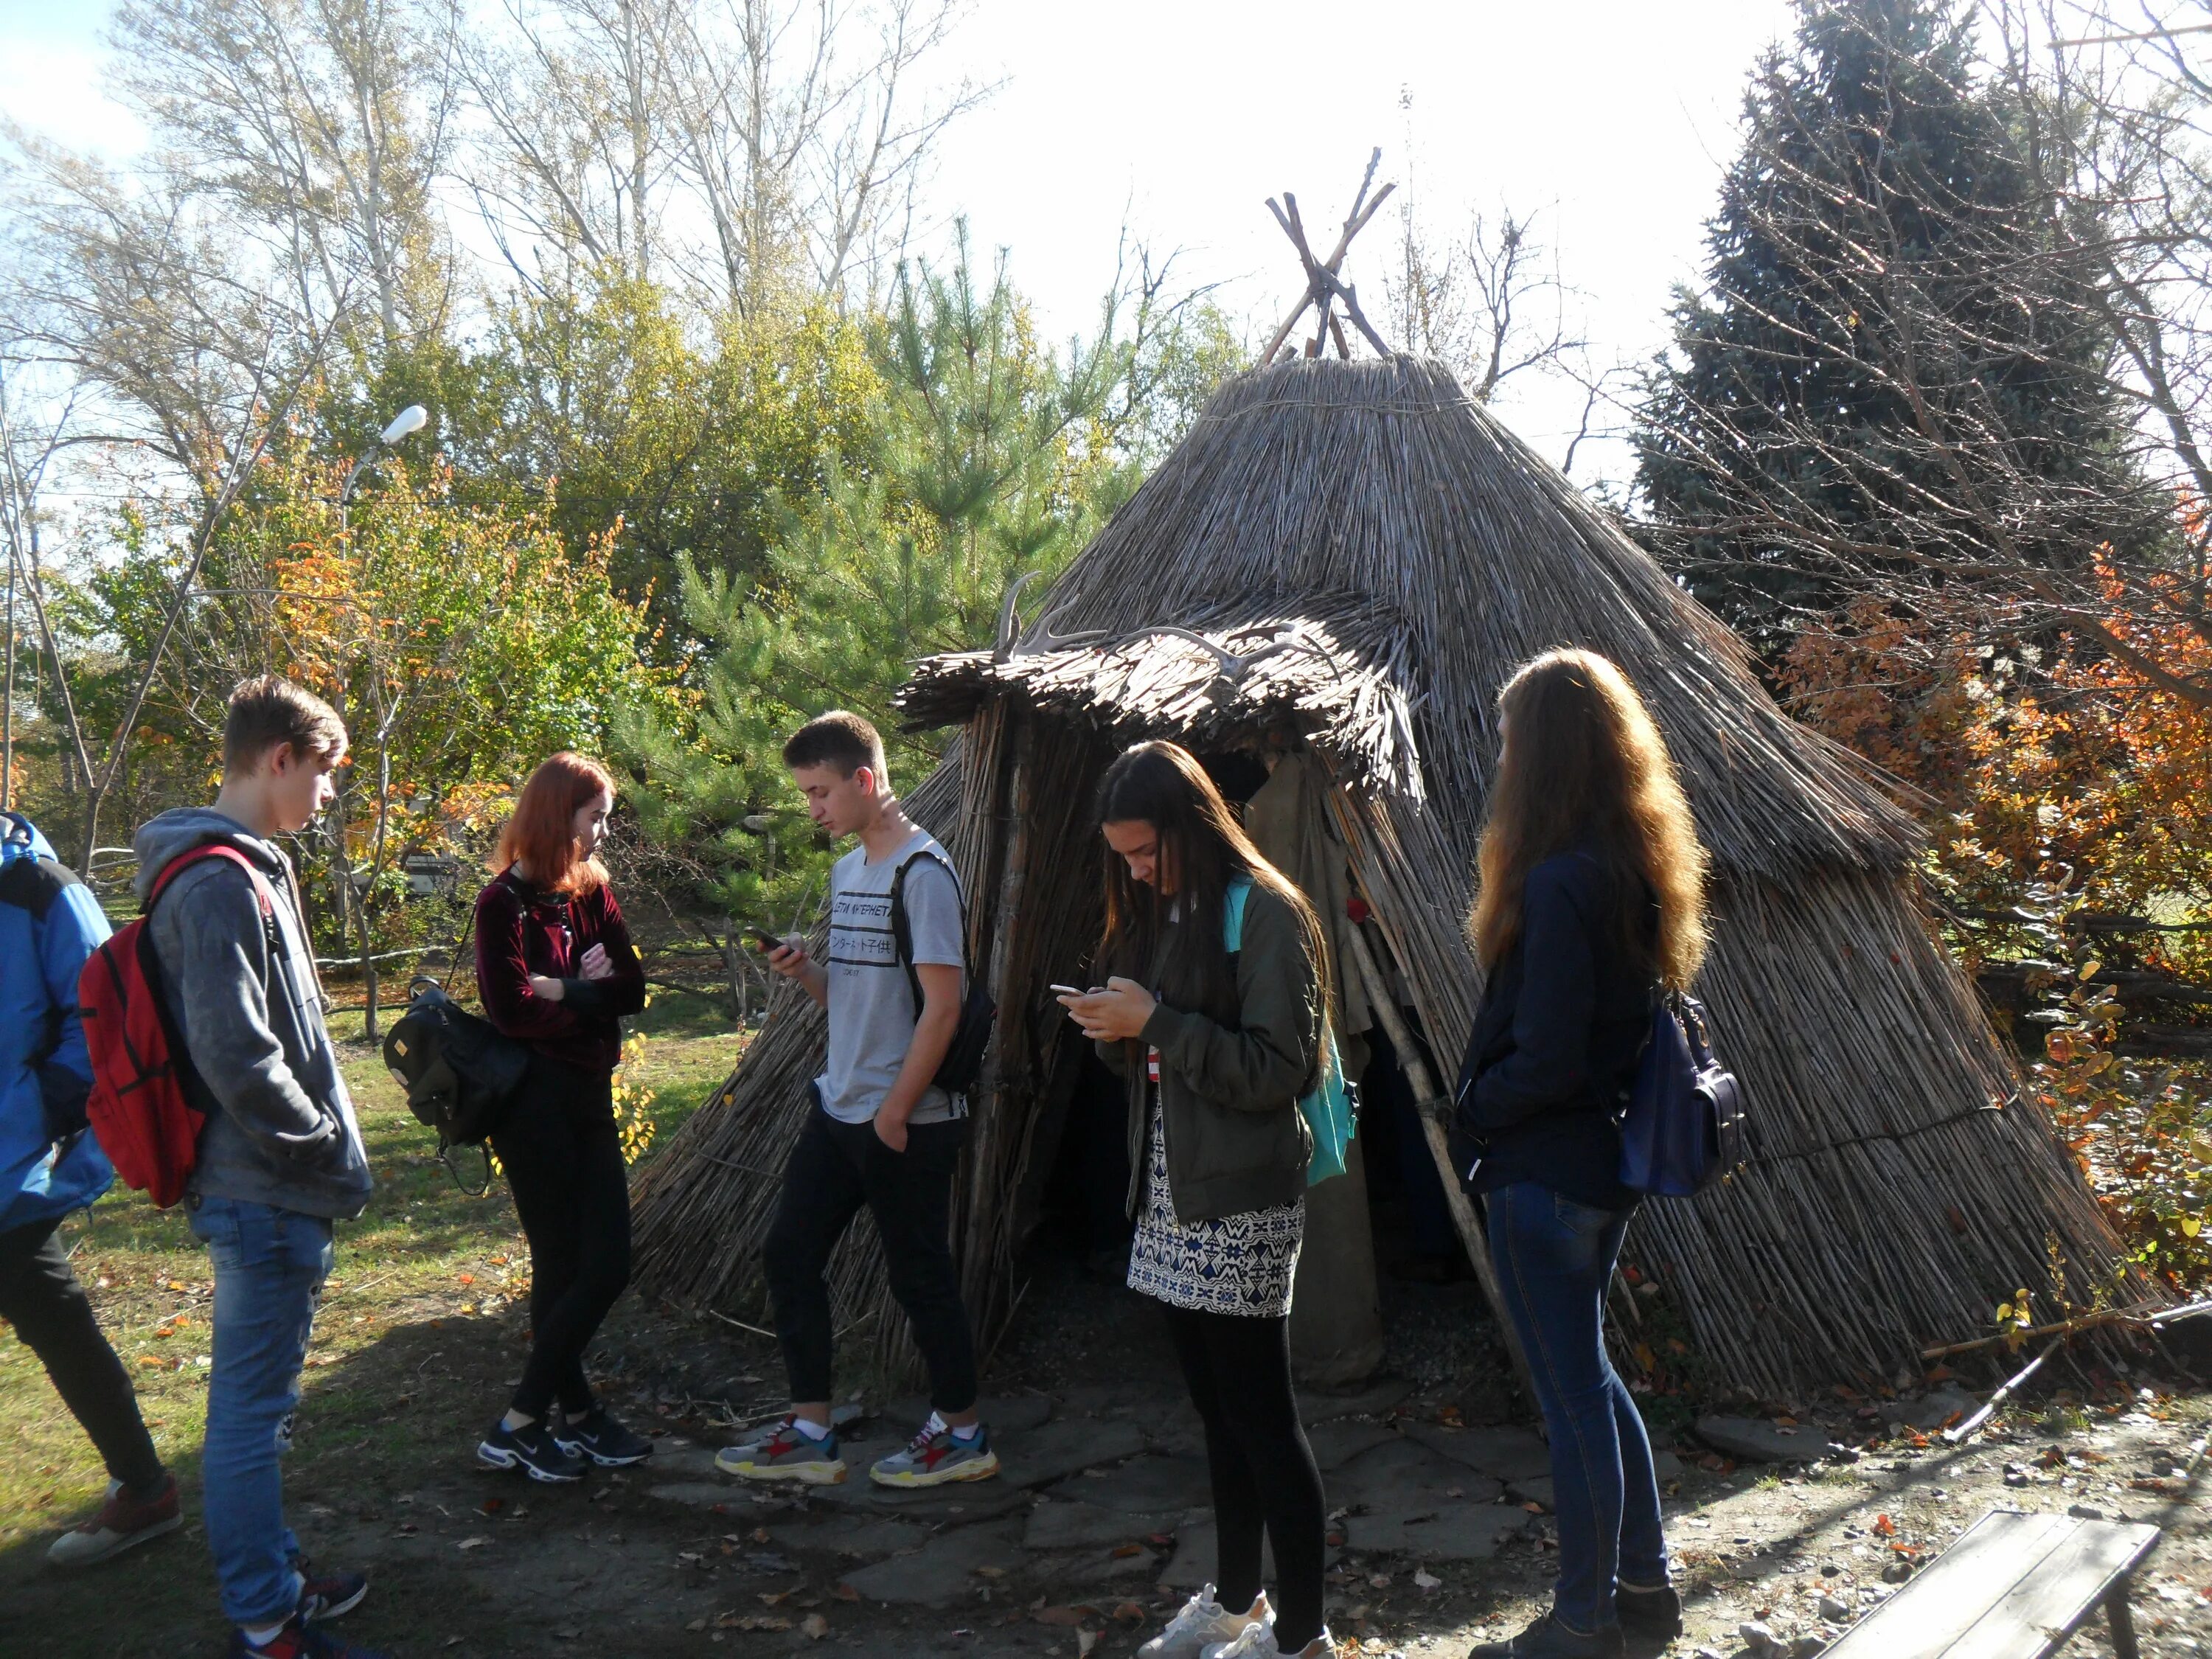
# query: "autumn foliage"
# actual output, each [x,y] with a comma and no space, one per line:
[2067,796]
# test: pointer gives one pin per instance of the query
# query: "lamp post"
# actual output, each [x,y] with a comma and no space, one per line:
[409,420]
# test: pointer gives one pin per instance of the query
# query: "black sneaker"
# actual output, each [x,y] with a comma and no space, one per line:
[530,1448]
[1548,1639]
[1650,1619]
[601,1438]
[330,1594]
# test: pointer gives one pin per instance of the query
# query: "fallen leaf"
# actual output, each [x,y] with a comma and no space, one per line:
[990,1573]
[846,1593]
[1423,1579]
[492,1505]
[468,1279]
[814,1627]
[1084,1641]
[697,1624]
[775,1598]
[1884,1527]
[1128,1611]
[1123,1552]
[1533,1508]
[471,1543]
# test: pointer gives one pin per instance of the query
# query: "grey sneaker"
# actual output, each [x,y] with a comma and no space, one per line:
[785,1454]
[1204,1623]
[122,1520]
[936,1456]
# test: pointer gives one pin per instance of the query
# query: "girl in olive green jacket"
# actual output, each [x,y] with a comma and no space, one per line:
[1217,1047]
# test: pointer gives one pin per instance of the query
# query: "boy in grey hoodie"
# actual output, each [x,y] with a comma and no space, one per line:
[280,1157]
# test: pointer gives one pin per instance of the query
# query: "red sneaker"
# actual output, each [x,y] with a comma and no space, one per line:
[122,1521]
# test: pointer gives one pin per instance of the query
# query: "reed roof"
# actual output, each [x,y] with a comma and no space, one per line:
[1372,502]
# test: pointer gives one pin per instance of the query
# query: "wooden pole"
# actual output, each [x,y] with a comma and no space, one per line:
[1429,1103]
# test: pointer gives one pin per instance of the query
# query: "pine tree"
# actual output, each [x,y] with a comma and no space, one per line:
[1896,374]
[992,456]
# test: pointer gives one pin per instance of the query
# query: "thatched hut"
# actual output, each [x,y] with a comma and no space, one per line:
[1367,554]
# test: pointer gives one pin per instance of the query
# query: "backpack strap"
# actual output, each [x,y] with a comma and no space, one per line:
[216,849]
[33,883]
[903,934]
[1232,913]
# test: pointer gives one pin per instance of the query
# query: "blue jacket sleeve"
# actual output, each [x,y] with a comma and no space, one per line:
[1549,1064]
[71,930]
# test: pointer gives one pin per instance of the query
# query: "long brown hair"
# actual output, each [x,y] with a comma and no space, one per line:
[542,833]
[1203,847]
[1585,767]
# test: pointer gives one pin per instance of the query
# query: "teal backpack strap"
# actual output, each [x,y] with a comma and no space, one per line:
[1232,913]
[1328,1110]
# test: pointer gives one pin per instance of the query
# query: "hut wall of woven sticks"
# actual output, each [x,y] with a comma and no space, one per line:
[1366,555]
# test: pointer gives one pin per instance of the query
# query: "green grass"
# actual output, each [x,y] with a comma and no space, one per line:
[420,1281]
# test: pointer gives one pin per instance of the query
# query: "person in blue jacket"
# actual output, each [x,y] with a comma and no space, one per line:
[50,1164]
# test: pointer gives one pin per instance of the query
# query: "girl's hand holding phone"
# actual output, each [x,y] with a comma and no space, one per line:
[596,964]
[1116,1014]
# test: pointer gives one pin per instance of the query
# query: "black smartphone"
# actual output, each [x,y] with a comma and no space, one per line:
[766,940]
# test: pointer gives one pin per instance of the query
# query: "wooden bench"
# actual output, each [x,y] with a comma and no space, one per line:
[2014,1587]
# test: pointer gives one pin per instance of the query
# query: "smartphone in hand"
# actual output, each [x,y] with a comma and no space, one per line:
[768,942]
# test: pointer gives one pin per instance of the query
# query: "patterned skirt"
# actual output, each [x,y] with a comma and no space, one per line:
[1237,1264]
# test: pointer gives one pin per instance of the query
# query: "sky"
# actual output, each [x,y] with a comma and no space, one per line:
[1611,119]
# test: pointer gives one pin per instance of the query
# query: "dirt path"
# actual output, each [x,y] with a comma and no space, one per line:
[1441,1534]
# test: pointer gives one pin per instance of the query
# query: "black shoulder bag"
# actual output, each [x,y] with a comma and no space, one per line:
[460,1071]
[964,1060]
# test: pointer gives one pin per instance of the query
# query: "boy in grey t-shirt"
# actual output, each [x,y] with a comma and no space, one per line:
[880,1132]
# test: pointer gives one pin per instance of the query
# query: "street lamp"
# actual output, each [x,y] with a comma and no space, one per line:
[411,419]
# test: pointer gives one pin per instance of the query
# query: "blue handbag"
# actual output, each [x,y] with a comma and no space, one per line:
[1683,1126]
[1329,1110]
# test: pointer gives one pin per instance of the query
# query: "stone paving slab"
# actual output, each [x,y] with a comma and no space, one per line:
[1133,1572]
[1338,1442]
[1066,1447]
[1196,1558]
[867,1540]
[1507,1454]
[939,1572]
[1459,1532]
[1404,1477]
[1371,1402]
[1142,1486]
[1764,1442]
[1055,1525]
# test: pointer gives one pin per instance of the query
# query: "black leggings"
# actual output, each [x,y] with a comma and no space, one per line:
[43,1300]
[562,1155]
[1239,1370]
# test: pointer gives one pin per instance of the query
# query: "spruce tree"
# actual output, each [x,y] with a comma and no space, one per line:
[1896,375]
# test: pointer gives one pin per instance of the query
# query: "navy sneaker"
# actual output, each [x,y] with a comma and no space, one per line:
[532,1448]
[299,1641]
[329,1596]
[1651,1619]
[1548,1639]
[602,1437]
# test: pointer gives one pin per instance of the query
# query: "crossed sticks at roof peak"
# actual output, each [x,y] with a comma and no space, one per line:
[1322,287]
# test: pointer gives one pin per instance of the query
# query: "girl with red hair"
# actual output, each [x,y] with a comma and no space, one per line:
[557,970]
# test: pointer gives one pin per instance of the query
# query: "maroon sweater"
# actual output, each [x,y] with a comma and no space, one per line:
[523,930]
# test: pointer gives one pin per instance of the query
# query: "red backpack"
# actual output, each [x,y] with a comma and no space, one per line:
[141,1114]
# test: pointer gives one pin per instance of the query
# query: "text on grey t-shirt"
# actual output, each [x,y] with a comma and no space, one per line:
[872,1011]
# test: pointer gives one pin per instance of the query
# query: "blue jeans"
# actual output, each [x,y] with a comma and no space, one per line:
[1555,1258]
[269,1265]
